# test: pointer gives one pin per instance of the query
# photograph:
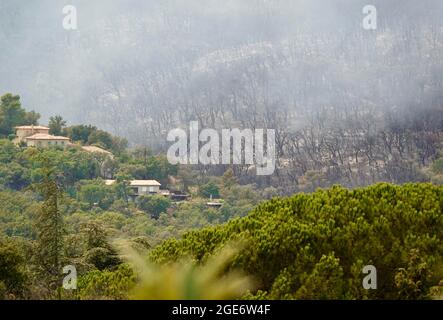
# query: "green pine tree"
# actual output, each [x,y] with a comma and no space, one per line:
[49,227]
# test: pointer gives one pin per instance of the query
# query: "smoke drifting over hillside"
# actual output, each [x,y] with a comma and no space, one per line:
[139,68]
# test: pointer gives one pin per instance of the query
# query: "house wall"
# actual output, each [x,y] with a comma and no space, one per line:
[46,143]
[146,190]
[23,133]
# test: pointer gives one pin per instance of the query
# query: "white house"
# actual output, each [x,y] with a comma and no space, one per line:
[141,187]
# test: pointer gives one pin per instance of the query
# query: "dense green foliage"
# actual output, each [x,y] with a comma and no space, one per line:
[19,168]
[315,245]
[148,167]
[90,135]
[56,125]
[49,231]
[105,284]
[12,114]
[154,205]
[56,209]
[209,189]
[12,275]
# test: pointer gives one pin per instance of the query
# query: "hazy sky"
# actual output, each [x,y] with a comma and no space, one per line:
[118,42]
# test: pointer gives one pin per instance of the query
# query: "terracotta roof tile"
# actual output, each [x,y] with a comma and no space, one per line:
[43,136]
[32,127]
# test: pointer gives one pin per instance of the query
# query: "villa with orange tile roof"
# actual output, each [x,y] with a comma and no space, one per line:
[22,132]
[38,136]
[46,140]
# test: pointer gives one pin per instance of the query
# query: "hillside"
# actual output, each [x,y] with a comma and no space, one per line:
[73,203]
[189,150]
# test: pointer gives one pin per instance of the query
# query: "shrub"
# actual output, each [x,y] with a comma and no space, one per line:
[154,205]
